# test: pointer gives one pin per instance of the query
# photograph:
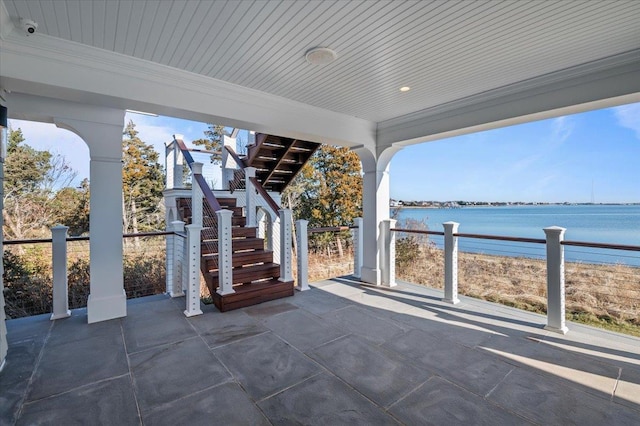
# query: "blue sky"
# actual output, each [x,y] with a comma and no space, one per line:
[552,160]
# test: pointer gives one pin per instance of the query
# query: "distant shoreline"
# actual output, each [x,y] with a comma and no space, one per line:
[460,206]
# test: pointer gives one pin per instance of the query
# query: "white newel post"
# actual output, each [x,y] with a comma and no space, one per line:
[450,263]
[555,280]
[388,250]
[229,165]
[356,234]
[196,196]
[303,254]
[273,239]
[225,262]
[193,283]
[174,274]
[286,270]
[250,203]
[59,261]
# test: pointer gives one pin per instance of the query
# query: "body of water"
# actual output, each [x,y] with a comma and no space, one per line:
[614,224]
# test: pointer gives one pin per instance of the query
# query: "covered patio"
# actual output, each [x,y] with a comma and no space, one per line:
[341,353]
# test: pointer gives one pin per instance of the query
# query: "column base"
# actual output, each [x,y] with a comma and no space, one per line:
[561,330]
[193,313]
[65,315]
[370,275]
[303,287]
[106,308]
[451,301]
[177,294]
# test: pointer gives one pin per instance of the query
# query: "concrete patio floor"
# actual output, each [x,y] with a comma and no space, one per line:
[341,353]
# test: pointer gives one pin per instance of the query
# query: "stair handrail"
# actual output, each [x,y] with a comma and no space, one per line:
[263,192]
[206,191]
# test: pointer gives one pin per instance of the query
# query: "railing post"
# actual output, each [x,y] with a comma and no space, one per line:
[250,192]
[450,263]
[196,196]
[225,277]
[303,254]
[273,238]
[357,247]
[388,263]
[286,272]
[174,276]
[555,280]
[60,287]
[193,283]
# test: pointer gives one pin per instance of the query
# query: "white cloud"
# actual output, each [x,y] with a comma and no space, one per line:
[562,127]
[629,116]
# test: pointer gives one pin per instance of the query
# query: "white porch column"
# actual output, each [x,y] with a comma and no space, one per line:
[375,206]
[173,165]
[357,247]
[286,271]
[450,263]
[250,203]
[388,253]
[107,298]
[303,254]
[555,280]
[59,262]
[193,284]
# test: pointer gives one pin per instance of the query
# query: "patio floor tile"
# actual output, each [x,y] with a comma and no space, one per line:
[226,404]
[302,330]
[222,328]
[439,402]
[67,366]
[382,376]
[323,400]
[166,373]
[265,364]
[109,402]
[151,328]
[545,401]
[475,371]
[362,322]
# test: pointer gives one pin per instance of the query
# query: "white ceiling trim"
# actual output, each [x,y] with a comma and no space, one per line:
[58,64]
[567,91]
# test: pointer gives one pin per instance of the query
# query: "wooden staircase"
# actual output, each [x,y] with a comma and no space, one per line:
[255,275]
[278,159]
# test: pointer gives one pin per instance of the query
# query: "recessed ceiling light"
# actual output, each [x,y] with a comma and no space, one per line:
[320,56]
[405,88]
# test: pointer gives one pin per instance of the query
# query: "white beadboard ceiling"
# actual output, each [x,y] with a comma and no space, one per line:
[443,50]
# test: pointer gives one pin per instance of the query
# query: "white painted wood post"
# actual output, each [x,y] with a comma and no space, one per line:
[176,163]
[193,283]
[250,203]
[357,247]
[60,286]
[555,280]
[178,256]
[196,196]
[273,238]
[450,263]
[303,254]
[225,262]
[286,270]
[388,253]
